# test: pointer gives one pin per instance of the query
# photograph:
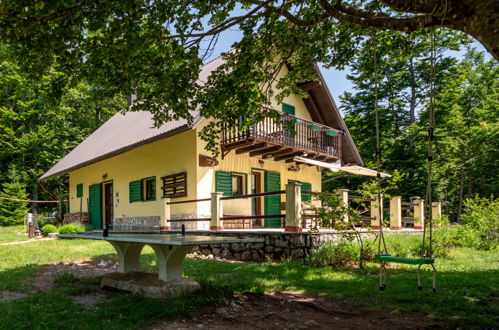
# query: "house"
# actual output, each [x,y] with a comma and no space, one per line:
[120,174]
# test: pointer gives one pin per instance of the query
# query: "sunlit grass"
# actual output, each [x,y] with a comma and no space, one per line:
[467,280]
[13,234]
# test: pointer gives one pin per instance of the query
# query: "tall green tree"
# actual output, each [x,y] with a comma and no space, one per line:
[400,64]
[41,120]
[467,131]
[12,212]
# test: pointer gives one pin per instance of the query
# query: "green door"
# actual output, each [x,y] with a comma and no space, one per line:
[272,203]
[95,206]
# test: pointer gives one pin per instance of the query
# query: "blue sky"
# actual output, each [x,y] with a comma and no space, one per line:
[335,79]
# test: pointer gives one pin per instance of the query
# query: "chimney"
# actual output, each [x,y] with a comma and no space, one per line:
[131,99]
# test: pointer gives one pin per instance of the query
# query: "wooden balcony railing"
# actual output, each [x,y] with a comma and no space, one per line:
[290,132]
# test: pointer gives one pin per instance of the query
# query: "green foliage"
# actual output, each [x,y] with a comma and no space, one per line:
[481,222]
[48,229]
[335,254]
[42,118]
[68,230]
[11,212]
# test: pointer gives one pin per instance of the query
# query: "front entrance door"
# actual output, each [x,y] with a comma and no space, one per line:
[95,206]
[272,203]
[257,203]
[108,204]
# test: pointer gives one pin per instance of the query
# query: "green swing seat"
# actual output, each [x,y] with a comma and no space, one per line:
[399,260]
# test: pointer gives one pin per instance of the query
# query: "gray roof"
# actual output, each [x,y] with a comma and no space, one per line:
[129,130]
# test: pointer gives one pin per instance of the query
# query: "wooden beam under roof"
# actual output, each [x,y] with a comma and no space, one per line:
[291,155]
[265,151]
[310,85]
[284,151]
[251,148]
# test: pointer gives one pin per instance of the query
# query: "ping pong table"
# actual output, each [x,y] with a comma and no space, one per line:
[170,249]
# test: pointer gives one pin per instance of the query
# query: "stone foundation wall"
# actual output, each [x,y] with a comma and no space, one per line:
[70,218]
[190,225]
[276,245]
[136,224]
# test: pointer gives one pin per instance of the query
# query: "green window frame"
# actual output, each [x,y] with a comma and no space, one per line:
[79,190]
[289,109]
[135,191]
[149,187]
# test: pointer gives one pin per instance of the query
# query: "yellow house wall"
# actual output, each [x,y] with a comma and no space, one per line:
[243,164]
[301,110]
[168,156]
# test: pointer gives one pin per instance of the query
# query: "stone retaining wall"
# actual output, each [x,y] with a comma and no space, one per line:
[275,245]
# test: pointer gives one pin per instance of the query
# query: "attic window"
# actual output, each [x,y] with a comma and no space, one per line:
[175,185]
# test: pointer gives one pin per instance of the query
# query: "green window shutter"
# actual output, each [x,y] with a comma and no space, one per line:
[289,109]
[223,182]
[272,203]
[79,190]
[308,187]
[135,191]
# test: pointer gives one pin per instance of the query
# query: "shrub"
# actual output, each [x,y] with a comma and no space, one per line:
[68,229]
[481,222]
[336,254]
[48,229]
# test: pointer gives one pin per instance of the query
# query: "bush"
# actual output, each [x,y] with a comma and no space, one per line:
[481,223]
[68,230]
[48,229]
[336,254]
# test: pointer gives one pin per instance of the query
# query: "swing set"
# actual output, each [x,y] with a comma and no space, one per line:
[382,255]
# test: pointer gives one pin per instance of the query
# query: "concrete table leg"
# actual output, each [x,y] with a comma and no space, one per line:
[170,259]
[128,254]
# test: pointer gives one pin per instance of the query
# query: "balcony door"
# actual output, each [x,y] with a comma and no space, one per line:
[272,203]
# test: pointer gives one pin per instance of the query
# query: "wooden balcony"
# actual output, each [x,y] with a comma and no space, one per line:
[284,139]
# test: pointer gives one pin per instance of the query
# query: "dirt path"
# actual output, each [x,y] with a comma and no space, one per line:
[273,310]
[290,310]
[28,241]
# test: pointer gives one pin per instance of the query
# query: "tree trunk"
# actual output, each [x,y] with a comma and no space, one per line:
[460,203]
[470,186]
[412,103]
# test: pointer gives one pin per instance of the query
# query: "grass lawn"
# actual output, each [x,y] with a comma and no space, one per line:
[467,287]
[13,234]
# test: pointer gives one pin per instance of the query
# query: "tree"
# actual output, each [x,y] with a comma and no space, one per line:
[467,132]
[12,212]
[403,71]
[41,121]
[154,48]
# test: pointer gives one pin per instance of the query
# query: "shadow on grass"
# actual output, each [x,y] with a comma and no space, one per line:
[465,297]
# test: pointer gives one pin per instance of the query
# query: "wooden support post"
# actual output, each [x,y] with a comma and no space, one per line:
[376,221]
[293,207]
[419,214]
[165,215]
[436,210]
[216,211]
[343,193]
[396,213]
